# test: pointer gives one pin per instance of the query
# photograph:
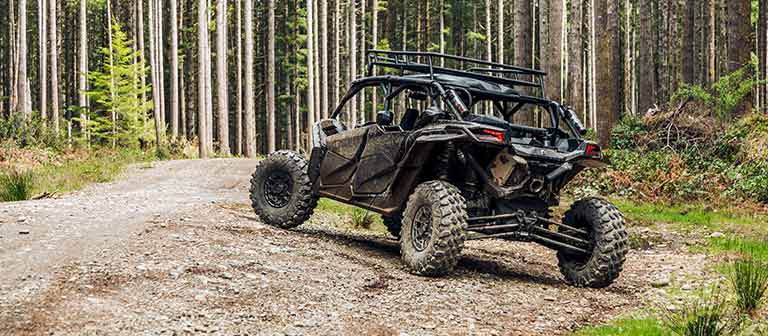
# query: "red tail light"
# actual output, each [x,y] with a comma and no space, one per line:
[496,135]
[593,151]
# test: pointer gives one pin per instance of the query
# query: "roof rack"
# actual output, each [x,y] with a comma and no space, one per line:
[411,62]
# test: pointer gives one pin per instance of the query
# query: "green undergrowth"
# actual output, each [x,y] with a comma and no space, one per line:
[692,216]
[355,218]
[627,326]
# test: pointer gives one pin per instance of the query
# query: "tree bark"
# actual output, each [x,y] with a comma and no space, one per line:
[575,57]
[239,112]
[500,31]
[83,67]
[54,52]
[488,32]
[353,57]
[43,58]
[324,71]
[740,42]
[646,88]
[762,51]
[154,69]
[174,70]
[524,48]
[374,43]
[554,45]
[270,85]
[222,80]
[608,84]
[203,89]
[250,104]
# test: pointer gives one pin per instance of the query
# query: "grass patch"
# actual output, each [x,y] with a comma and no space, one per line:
[749,278]
[78,172]
[708,315]
[628,327]
[358,218]
[16,186]
[754,248]
[686,217]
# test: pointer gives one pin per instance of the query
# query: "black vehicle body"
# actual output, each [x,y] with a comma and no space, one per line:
[442,174]
[376,166]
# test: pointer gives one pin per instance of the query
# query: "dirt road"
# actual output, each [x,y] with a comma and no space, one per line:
[174,249]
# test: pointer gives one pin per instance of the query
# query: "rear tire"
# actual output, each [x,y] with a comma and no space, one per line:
[433,229]
[605,224]
[281,192]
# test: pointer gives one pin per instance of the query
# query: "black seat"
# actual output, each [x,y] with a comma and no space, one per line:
[409,119]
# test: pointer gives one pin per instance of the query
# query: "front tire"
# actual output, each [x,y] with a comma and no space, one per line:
[281,192]
[433,229]
[608,235]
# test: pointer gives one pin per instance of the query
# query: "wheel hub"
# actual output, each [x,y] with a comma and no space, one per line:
[421,230]
[278,188]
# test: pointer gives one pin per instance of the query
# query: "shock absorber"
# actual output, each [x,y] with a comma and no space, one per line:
[444,161]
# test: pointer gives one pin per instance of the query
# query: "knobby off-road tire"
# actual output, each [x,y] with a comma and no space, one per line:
[393,223]
[433,231]
[605,225]
[281,192]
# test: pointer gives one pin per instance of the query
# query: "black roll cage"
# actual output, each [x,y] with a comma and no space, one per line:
[496,73]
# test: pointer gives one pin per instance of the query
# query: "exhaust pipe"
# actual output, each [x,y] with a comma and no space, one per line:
[536,186]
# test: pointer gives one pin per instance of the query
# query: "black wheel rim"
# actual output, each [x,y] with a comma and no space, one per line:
[421,230]
[278,188]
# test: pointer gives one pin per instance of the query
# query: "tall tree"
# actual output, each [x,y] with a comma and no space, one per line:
[42,16]
[646,73]
[739,40]
[157,104]
[608,85]
[203,88]
[310,74]
[22,82]
[488,32]
[353,56]
[222,80]
[524,46]
[554,45]
[174,70]
[575,57]
[270,85]
[500,31]
[239,112]
[83,66]
[250,103]
[324,71]
[54,53]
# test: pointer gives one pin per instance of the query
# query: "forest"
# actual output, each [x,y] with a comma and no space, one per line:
[106,107]
[260,73]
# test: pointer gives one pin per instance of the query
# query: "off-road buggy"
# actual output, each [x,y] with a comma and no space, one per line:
[443,174]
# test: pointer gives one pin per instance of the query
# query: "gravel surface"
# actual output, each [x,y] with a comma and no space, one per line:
[173,249]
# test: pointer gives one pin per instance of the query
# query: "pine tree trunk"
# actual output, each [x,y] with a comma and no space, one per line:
[203,89]
[239,112]
[689,38]
[337,53]
[524,49]
[488,32]
[374,43]
[646,88]
[83,67]
[324,78]
[553,62]
[174,70]
[575,57]
[353,57]
[608,85]
[222,80]
[442,31]
[54,52]
[42,15]
[762,51]
[113,85]
[250,103]
[270,85]
[740,41]
[154,69]
[500,31]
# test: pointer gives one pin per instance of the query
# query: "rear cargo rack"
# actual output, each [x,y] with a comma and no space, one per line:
[430,63]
